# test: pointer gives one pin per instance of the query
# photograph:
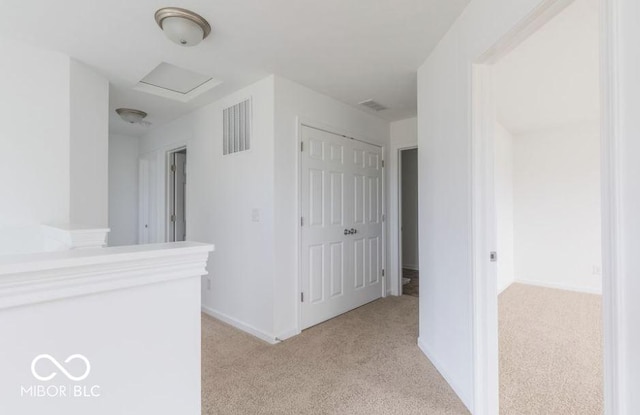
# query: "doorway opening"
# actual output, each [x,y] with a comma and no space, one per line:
[537,215]
[548,217]
[408,217]
[176,195]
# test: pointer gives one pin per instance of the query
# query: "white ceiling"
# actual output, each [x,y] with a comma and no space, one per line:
[351,50]
[552,78]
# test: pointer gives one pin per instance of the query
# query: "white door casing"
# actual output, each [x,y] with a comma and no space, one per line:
[341,236]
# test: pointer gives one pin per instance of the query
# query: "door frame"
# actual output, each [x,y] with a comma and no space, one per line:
[168,186]
[485,323]
[318,125]
[398,277]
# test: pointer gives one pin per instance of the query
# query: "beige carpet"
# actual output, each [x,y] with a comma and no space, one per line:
[550,352]
[364,362]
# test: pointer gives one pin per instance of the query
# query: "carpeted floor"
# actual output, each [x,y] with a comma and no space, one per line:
[550,352]
[367,362]
[363,362]
[413,287]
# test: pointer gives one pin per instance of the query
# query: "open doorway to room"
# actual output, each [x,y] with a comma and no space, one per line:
[176,195]
[408,200]
[548,217]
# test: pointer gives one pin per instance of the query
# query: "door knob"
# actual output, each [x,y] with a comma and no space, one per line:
[352,231]
[347,232]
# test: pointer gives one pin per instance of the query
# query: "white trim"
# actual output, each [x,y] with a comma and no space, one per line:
[177,96]
[484,301]
[501,289]
[483,240]
[445,374]
[559,286]
[37,278]
[76,236]
[247,328]
[541,15]
[287,334]
[616,389]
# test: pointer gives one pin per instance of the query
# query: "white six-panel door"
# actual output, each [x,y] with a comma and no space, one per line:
[341,237]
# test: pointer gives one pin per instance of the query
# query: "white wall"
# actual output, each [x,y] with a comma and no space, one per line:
[547,187]
[295,103]
[53,116]
[132,312]
[221,193]
[123,190]
[409,167]
[254,273]
[444,139]
[503,173]
[444,103]
[557,207]
[34,131]
[551,78]
[403,134]
[89,147]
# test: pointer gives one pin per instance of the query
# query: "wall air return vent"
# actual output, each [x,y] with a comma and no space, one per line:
[236,124]
[373,105]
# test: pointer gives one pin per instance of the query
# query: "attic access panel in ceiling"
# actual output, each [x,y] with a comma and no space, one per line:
[171,81]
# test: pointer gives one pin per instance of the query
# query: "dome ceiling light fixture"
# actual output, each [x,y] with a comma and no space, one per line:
[182,26]
[131,116]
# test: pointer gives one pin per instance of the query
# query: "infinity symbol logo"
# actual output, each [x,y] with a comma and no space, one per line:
[60,367]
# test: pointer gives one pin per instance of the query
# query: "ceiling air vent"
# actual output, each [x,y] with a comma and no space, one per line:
[373,105]
[236,124]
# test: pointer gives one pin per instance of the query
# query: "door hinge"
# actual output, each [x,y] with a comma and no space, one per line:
[173,168]
[302,297]
[382,163]
[301,145]
[173,218]
[384,217]
[493,256]
[383,272]
[301,221]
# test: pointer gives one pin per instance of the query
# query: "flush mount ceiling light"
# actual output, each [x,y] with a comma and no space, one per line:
[131,116]
[182,26]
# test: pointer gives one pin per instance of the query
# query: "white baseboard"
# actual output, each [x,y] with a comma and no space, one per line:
[501,289]
[544,284]
[440,368]
[240,325]
[288,334]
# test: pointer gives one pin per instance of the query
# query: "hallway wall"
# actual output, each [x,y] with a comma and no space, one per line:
[557,214]
[53,123]
[123,190]
[446,180]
